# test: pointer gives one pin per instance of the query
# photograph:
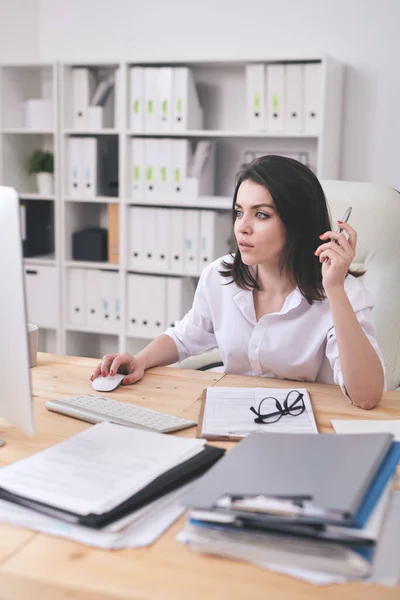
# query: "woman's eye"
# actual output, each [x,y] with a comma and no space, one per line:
[238,213]
[261,215]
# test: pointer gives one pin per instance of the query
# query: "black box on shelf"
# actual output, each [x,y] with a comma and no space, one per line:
[90,244]
[37,227]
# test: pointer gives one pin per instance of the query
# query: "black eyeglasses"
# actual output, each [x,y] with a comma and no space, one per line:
[293,405]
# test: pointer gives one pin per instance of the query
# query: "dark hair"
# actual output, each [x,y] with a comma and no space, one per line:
[301,205]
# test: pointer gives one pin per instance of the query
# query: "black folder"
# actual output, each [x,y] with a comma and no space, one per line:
[163,484]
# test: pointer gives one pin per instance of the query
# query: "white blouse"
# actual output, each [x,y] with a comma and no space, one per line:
[298,342]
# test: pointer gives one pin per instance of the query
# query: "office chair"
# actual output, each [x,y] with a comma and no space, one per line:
[376,217]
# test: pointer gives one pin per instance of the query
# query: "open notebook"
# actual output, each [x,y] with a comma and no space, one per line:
[226,414]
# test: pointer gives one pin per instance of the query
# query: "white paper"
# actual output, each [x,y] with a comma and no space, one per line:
[141,528]
[97,469]
[367,426]
[227,412]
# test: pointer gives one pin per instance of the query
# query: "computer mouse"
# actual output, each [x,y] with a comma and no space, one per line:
[107,384]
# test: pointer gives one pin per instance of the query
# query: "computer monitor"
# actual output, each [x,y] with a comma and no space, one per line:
[15,383]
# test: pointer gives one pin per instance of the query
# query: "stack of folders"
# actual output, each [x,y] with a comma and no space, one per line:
[108,486]
[284,98]
[297,503]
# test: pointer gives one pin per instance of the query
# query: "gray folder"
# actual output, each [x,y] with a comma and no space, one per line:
[335,471]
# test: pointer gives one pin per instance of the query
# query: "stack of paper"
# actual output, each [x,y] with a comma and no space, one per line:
[104,485]
[296,503]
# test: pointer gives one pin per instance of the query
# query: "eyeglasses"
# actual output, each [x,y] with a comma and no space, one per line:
[293,405]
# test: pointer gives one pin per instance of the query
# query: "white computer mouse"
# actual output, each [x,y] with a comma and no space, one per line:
[107,384]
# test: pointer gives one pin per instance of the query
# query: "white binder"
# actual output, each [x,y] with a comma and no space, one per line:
[181,156]
[294,104]
[135,237]
[164,165]
[154,302]
[215,235]
[161,256]
[176,232]
[191,241]
[180,294]
[148,216]
[152,162]
[164,99]
[151,123]
[75,167]
[83,87]
[136,99]
[138,169]
[187,112]
[90,174]
[109,300]
[134,296]
[42,308]
[275,92]
[312,97]
[255,97]
[93,298]
[77,296]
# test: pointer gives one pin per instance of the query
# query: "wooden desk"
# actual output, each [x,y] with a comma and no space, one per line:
[35,566]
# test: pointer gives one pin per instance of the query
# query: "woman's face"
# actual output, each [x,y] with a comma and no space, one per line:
[259,232]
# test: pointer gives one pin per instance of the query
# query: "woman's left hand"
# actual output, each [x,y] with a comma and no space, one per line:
[340,252]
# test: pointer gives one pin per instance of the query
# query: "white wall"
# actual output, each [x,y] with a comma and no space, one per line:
[362,33]
[19,30]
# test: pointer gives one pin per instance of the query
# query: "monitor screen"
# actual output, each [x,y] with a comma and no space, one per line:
[15,384]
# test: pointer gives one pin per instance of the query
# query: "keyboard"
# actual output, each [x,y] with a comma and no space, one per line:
[96,409]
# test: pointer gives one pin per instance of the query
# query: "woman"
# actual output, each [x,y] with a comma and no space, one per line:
[286,304]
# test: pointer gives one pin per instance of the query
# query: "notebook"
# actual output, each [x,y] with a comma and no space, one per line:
[225,412]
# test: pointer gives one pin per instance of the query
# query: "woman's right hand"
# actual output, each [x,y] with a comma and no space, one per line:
[111,364]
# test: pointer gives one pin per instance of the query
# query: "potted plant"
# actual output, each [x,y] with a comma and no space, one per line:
[41,164]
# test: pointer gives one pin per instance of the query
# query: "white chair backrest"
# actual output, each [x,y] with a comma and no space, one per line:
[376,218]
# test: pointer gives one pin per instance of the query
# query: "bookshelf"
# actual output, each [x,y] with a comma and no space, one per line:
[221,89]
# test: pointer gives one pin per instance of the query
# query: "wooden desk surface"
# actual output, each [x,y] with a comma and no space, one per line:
[35,566]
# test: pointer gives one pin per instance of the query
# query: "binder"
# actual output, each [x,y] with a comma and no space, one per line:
[136,235]
[138,169]
[151,123]
[176,229]
[83,87]
[312,468]
[133,303]
[180,294]
[75,169]
[113,233]
[164,165]
[90,173]
[181,156]
[109,300]
[148,217]
[93,298]
[187,112]
[153,306]
[312,97]
[164,99]
[152,166]
[255,97]
[275,92]
[136,104]
[161,257]
[215,235]
[294,104]
[191,246]
[77,296]
[42,308]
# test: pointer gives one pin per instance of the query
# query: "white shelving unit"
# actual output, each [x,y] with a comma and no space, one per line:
[221,89]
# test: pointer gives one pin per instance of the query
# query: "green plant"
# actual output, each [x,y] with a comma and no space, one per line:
[40,161]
